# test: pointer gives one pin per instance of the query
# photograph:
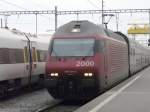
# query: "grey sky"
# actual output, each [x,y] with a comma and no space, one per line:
[46,22]
[72,4]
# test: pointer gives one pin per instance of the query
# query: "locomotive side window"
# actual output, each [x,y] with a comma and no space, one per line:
[114,35]
[73,47]
[99,46]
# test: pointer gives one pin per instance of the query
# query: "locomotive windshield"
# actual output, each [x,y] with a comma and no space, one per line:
[73,47]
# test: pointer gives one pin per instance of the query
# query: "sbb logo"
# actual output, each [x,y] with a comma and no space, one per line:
[84,63]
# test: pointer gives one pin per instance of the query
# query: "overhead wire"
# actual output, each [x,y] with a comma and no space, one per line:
[94,5]
[15,5]
[9,3]
[37,4]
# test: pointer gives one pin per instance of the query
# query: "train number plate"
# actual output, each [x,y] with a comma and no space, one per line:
[84,63]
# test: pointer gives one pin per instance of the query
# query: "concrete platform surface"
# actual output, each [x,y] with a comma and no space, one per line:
[133,95]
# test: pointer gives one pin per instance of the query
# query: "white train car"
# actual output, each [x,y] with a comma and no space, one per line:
[139,56]
[22,59]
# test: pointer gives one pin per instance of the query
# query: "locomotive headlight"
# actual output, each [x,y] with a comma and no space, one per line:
[54,74]
[88,74]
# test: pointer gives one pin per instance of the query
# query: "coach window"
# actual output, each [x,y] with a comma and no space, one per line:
[141,60]
[1,56]
[41,55]
[134,52]
[16,56]
[26,58]
[12,56]
[4,56]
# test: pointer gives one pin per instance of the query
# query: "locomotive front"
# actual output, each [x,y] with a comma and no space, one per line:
[72,67]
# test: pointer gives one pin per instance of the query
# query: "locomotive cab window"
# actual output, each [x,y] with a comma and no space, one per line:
[73,47]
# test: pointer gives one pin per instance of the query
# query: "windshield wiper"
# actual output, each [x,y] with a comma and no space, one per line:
[54,52]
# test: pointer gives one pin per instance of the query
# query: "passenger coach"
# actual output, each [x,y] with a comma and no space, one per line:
[22,60]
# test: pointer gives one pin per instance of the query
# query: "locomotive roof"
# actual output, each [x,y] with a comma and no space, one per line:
[79,28]
[84,28]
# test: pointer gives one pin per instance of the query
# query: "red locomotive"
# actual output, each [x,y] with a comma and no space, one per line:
[85,59]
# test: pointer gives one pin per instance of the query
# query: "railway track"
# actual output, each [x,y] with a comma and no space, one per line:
[38,101]
[29,102]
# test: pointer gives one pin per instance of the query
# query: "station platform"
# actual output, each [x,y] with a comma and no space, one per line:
[133,95]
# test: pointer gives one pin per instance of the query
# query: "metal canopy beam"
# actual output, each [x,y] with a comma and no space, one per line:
[75,12]
[26,12]
[105,11]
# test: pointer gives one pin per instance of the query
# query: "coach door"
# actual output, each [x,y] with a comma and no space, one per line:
[34,57]
[27,61]
[30,59]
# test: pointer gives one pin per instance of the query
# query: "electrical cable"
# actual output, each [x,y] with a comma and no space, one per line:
[93,4]
[9,3]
